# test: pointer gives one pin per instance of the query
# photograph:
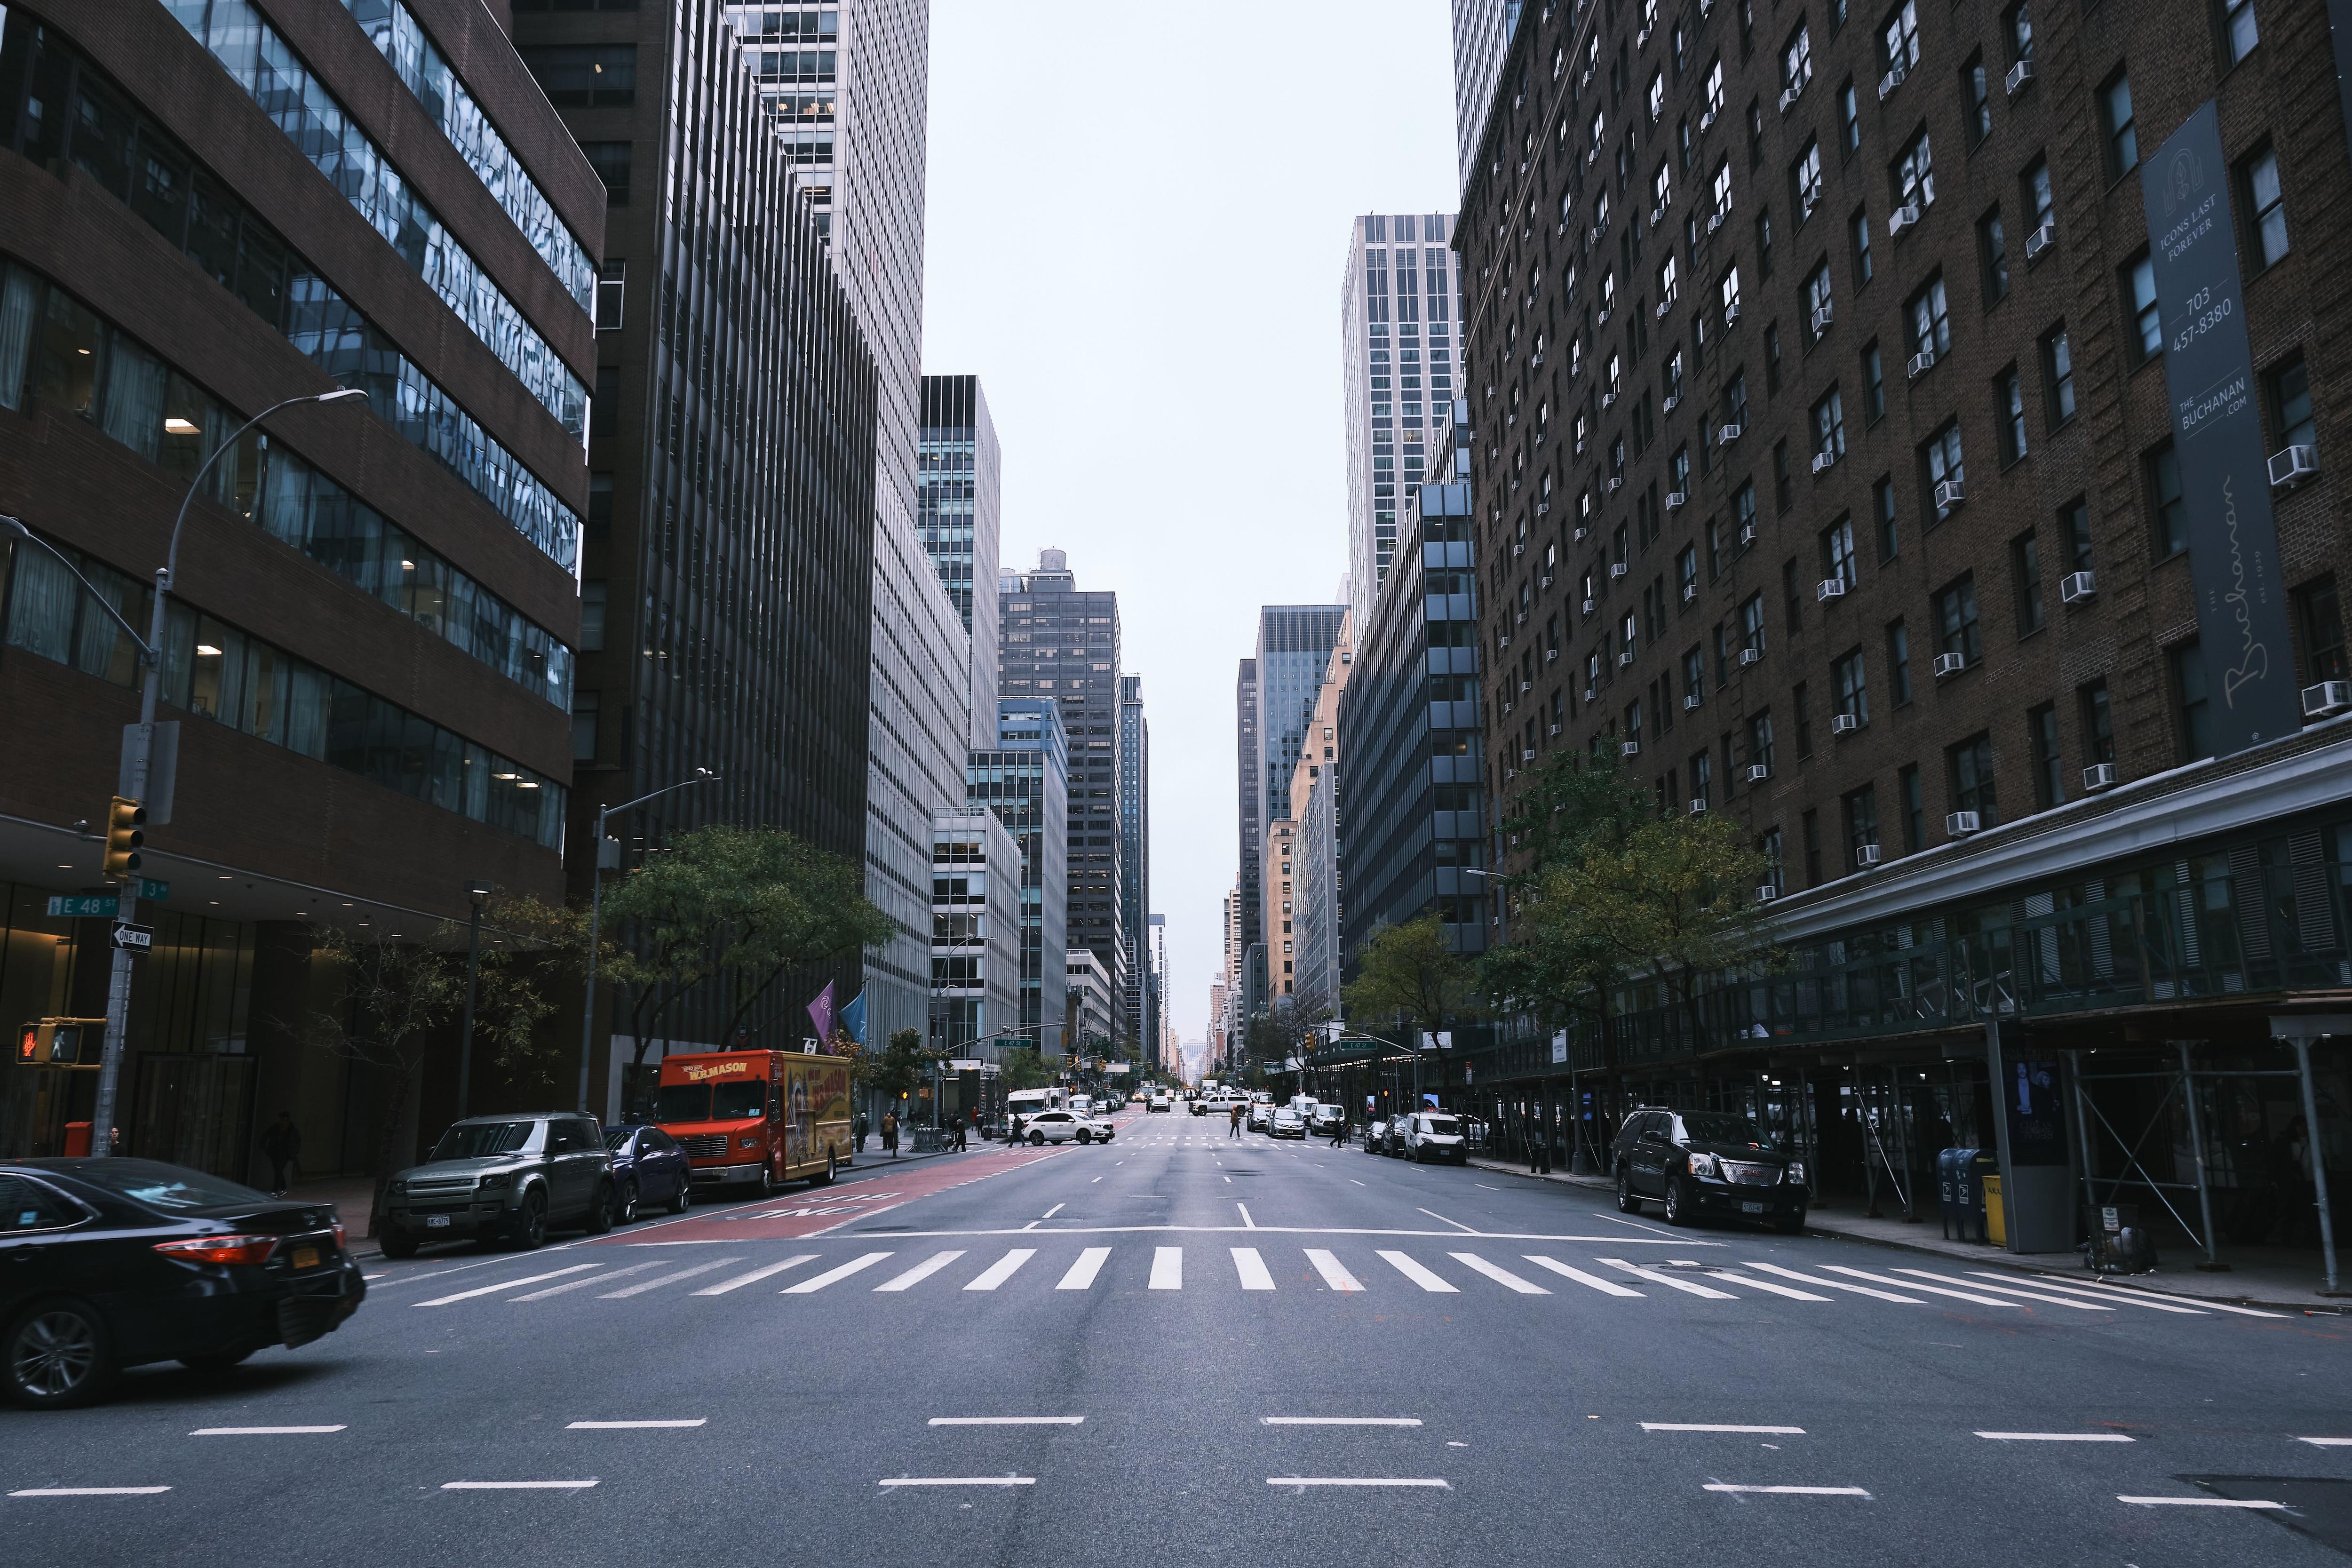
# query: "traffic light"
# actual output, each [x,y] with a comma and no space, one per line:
[125,820]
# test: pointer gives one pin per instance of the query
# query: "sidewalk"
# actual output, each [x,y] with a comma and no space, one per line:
[2291,1283]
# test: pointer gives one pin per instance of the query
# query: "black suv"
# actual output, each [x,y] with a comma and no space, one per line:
[1706,1162]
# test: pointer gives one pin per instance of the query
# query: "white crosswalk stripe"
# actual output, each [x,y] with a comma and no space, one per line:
[659,1280]
[584,1281]
[756,1275]
[1082,1273]
[833,1276]
[1168,1268]
[1417,1274]
[1335,1273]
[921,1271]
[1606,1287]
[1003,1269]
[1252,1269]
[1692,1286]
[1501,1276]
[1835,1284]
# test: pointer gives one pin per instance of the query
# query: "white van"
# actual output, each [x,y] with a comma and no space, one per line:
[1024,1103]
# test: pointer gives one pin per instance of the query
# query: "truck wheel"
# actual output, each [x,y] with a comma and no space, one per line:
[767,1181]
[825,1180]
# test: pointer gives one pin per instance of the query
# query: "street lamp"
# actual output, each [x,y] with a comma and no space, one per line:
[596,914]
[138,746]
[477,895]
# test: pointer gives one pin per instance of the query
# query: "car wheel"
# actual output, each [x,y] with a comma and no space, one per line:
[531,1225]
[396,1244]
[217,1360]
[683,1200]
[59,1355]
[1036,1140]
[1790,1225]
[599,1217]
[627,1212]
[1677,1204]
[1085,1136]
[1626,1201]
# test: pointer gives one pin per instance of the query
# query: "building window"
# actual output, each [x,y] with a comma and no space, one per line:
[1914,809]
[2009,414]
[2146,340]
[1687,572]
[1978,93]
[1955,619]
[584,726]
[2017,28]
[1898,661]
[2058,375]
[610,162]
[1772,357]
[2098,722]
[1805,180]
[1898,40]
[2040,206]
[1751,623]
[1819,304]
[1992,249]
[1970,764]
[1861,824]
[582,76]
[1775,875]
[2321,621]
[1853,687]
[1849,119]
[1874,384]
[2167,509]
[1760,741]
[2239,34]
[592,601]
[2074,532]
[2265,208]
[2192,713]
[1811,824]
[1941,457]
[2025,567]
[1829,428]
[1837,554]
[2122,135]
[1764,242]
[1702,777]
[1783,495]
[612,290]
[1882,509]
[2049,779]
[1914,174]
[1931,321]
[2287,389]
[1864,269]
[1791,596]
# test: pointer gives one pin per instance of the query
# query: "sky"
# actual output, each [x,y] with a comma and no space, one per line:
[1136,230]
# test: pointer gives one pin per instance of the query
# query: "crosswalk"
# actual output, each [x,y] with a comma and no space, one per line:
[1491,1271]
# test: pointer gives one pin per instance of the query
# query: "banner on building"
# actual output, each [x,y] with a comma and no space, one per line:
[2217,430]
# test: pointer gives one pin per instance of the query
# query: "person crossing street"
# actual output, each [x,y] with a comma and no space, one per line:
[1234,1124]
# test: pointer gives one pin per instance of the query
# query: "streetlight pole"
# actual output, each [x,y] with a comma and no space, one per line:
[597,915]
[138,747]
[477,895]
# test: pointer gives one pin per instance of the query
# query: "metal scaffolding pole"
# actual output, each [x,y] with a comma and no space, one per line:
[2212,1264]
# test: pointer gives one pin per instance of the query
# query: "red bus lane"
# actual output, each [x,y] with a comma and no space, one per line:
[815,1210]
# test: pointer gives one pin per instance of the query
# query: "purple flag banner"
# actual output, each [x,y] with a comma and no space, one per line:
[820,1012]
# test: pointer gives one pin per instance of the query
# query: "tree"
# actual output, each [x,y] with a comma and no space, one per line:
[898,1068]
[1021,1066]
[1411,970]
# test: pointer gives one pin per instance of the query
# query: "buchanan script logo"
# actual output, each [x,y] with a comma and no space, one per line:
[2253,654]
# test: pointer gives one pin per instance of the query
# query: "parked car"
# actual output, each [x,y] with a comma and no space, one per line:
[1287,1123]
[1158,1103]
[1260,1116]
[506,1178]
[648,1167]
[1324,1119]
[1392,1136]
[1707,1163]
[1376,1135]
[1431,1135]
[105,1264]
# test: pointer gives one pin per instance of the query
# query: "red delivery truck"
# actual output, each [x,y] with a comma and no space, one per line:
[756,1119]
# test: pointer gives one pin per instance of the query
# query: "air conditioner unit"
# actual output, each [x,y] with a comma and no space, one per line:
[1950,493]
[1697,807]
[1901,219]
[2040,240]
[1746,534]
[1526,756]
[2099,777]
[1824,461]
[1767,893]
[1960,823]
[2327,700]
[1590,692]
[1731,315]
[2019,75]
[2077,586]
[1609,400]
[1691,702]
[1518,547]
[1588,606]
[1949,664]
[1790,95]
[1601,319]
[1829,588]
[1616,483]
[2292,466]
[1617,569]
[1727,435]
[1865,853]
[1550,653]
[1678,500]
[1668,302]
[1890,81]
[1757,772]
[1920,363]
[1749,656]
[1673,401]
[1525,687]
[1843,723]
[1625,659]
[1690,593]
[1581,530]
[1707,121]
[1542,507]
[1715,219]
[1545,580]
[1629,749]
[1554,728]
[1641,38]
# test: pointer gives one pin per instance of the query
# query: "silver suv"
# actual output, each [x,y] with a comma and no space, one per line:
[503,1178]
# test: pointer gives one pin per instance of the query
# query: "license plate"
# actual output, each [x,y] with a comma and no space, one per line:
[437,1222]
[1752,1208]
[306,1256]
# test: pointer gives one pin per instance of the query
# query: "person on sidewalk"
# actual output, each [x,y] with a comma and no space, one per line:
[1538,1149]
[282,1142]
[962,1131]
[1234,1124]
[890,1134]
[861,1131]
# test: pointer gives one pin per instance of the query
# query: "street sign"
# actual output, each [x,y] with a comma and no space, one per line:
[138,938]
[153,889]
[83,906]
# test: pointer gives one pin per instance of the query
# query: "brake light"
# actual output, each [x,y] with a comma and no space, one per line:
[249,1250]
[339,1244]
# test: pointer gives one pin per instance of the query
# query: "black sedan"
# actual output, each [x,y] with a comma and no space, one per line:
[648,1168]
[105,1264]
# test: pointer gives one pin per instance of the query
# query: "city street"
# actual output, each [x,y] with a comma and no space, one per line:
[1186,1346]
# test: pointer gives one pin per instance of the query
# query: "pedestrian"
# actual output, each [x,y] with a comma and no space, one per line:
[962,1129]
[890,1134]
[1233,1125]
[1338,1131]
[1538,1149]
[282,1142]
[861,1132]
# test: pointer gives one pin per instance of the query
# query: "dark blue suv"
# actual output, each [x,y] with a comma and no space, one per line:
[648,1168]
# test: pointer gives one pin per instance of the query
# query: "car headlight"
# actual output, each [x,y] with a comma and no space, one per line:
[1797,1171]
[491,1183]
[397,1188]
[1706,1165]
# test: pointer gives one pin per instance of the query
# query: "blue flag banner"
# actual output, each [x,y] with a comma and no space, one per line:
[852,1017]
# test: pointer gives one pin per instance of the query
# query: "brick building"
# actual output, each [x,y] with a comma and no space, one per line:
[1828,478]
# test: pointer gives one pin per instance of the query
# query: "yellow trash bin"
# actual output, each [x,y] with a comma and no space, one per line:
[1996,1229]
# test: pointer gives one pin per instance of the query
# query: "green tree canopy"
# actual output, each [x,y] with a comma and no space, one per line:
[1410,970]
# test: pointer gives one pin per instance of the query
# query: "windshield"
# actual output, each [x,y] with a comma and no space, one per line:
[682,1102]
[158,1186]
[733,1099]
[478,1140]
[1713,1127]
[617,1136]
[1442,1124]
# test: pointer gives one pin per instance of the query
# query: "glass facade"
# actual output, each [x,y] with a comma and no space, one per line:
[958,518]
[1399,347]
[1024,781]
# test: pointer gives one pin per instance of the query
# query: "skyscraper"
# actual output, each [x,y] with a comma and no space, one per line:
[1135,854]
[1023,778]
[1252,790]
[1482,36]
[1311,901]
[1398,305]
[1293,646]
[1061,644]
[959,486]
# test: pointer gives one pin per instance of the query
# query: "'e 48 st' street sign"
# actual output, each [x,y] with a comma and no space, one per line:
[97,906]
[2241,621]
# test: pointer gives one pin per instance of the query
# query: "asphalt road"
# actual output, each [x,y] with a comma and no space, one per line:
[1183,1348]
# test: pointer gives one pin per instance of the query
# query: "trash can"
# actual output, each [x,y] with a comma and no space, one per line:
[1987,1166]
[1955,1189]
[2118,1244]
